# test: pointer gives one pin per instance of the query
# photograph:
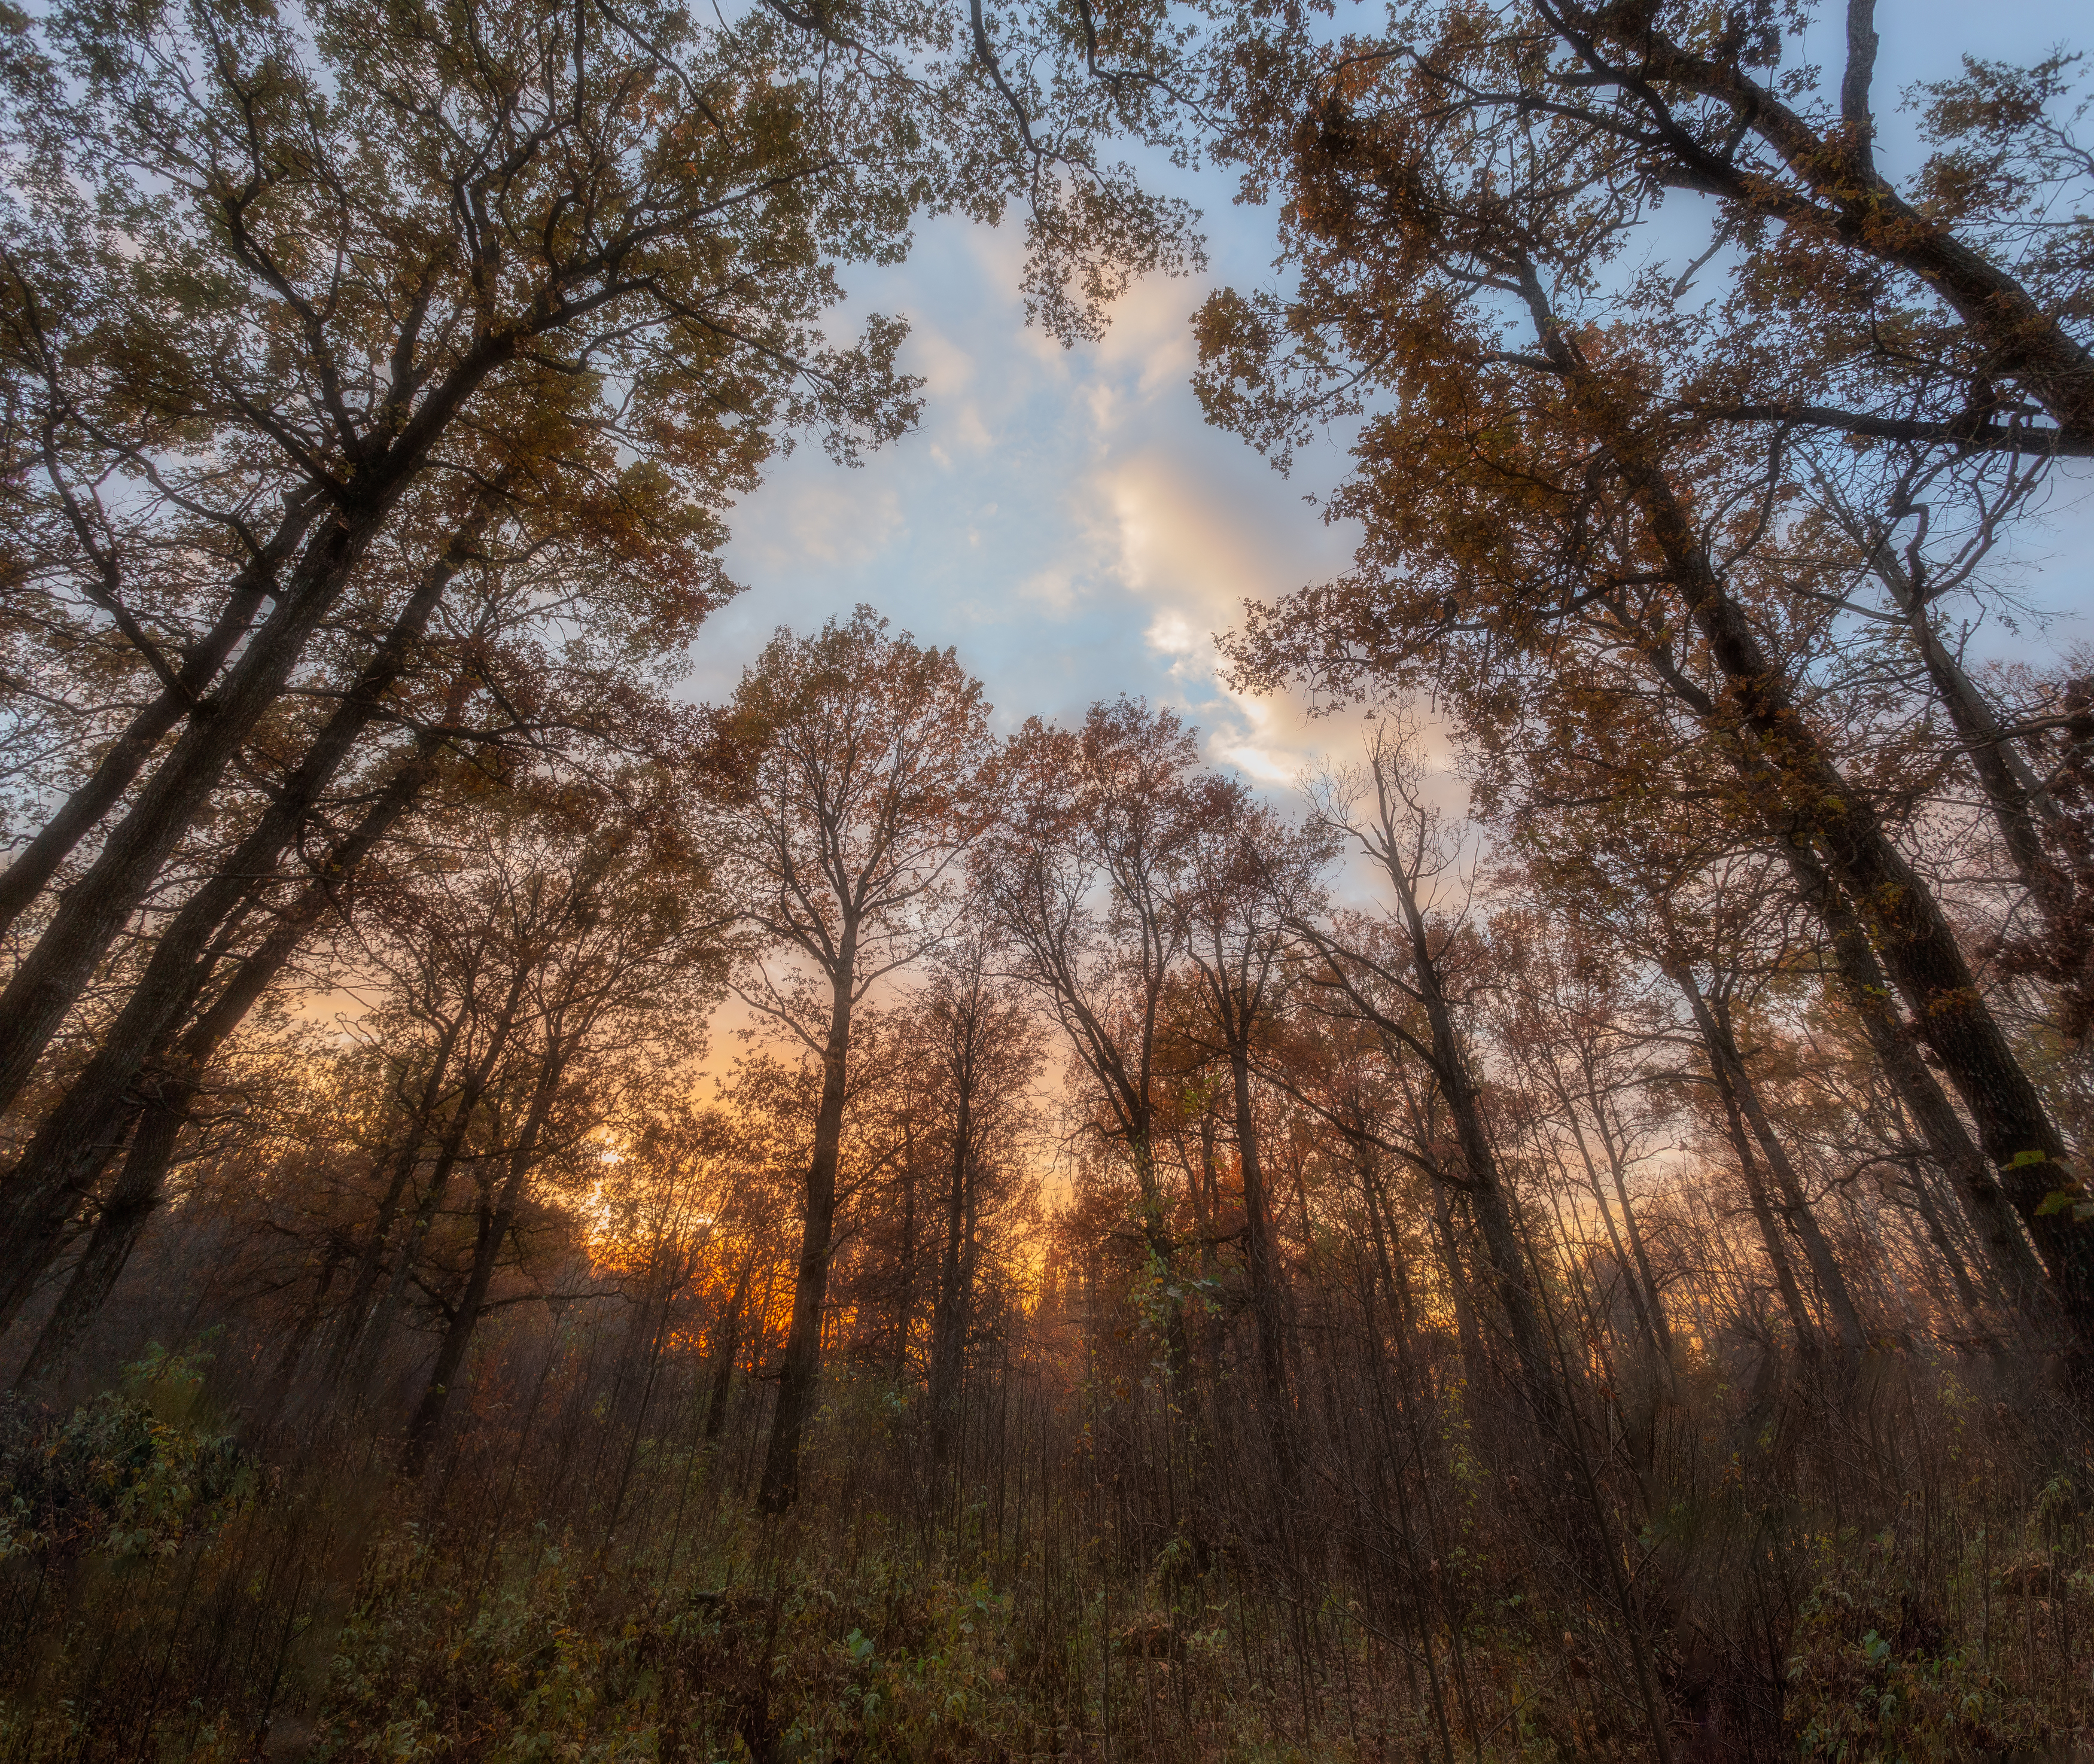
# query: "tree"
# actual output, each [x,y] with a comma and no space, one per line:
[1381,809]
[378,279]
[985,1048]
[1533,503]
[848,769]
[601,927]
[1573,1020]
[1249,879]
[1079,879]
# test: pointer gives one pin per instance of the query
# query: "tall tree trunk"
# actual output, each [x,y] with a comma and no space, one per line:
[370,1259]
[1475,1363]
[1260,1262]
[1796,1208]
[2015,796]
[905,1304]
[1762,722]
[2013,1265]
[1155,1238]
[1613,1148]
[48,982]
[166,1107]
[1937,1234]
[37,862]
[1771,1237]
[301,1336]
[949,1319]
[1487,1198]
[1640,1302]
[60,1164]
[802,1370]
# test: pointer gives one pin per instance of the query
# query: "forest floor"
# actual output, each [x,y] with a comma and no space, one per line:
[172,1595]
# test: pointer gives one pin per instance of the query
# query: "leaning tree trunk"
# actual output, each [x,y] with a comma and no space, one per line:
[2014,1267]
[48,981]
[42,1191]
[37,862]
[1918,944]
[1763,1214]
[166,1110]
[1796,1208]
[1637,1248]
[1487,1198]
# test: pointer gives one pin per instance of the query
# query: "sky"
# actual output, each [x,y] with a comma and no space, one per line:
[1065,519]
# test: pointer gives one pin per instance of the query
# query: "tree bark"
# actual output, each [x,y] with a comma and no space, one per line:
[1852,201]
[2013,1264]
